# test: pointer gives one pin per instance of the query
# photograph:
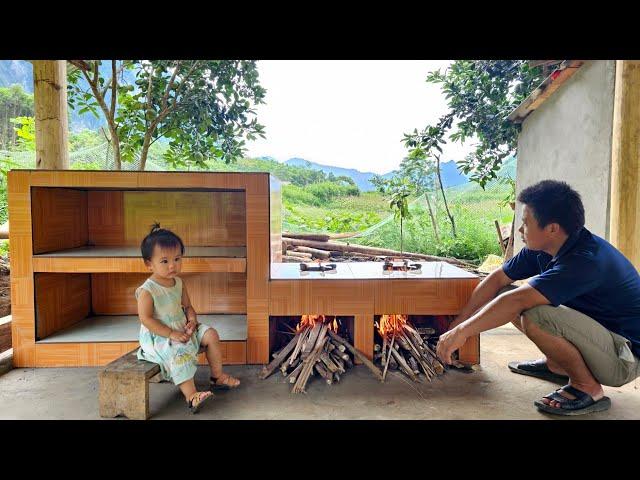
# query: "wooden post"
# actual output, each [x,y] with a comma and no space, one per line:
[624,218]
[50,105]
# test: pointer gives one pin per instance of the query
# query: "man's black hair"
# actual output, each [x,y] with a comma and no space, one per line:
[554,202]
[163,238]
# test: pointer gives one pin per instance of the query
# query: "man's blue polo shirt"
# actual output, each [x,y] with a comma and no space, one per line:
[590,275]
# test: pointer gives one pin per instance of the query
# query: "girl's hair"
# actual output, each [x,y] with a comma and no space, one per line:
[163,238]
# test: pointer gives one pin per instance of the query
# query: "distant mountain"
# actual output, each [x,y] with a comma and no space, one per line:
[450,174]
[16,71]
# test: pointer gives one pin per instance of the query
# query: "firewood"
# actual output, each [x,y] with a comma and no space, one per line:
[393,365]
[275,363]
[339,362]
[426,331]
[413,363]
[377,347]
[311,341]
[413,334]
[422,360]
[309,363]
[402,364]
[342,348]
[302,254]
[296,257]
[318,237]
[311,359]
[301,339]
[331,365]
[373,251]
[330,347]
[293,376]
[386,366]
[356,353]
[385,354]
[317,253]
[324,373]
[336,377]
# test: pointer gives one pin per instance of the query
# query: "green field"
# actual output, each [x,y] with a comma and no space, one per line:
[474,211]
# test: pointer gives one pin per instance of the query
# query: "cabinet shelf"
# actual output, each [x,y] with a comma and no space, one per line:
[127,259]
[126,328]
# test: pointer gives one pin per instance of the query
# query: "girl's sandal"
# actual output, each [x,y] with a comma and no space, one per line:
[198,399]
[228,382]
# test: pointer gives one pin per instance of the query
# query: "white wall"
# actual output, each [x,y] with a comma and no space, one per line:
[569,138]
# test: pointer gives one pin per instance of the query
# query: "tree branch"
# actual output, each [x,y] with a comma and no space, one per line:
[113,89]
[165,97]
[118,72]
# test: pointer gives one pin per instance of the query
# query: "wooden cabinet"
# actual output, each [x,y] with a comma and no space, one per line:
[75,254]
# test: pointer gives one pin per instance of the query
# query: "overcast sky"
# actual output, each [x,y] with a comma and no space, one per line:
[347,113]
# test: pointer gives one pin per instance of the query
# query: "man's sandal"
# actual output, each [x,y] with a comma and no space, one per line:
[198,399]
[539,369]
[228,382]
[582,404]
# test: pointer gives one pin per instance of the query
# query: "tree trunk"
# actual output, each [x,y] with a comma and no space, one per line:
[433,218]
[444,197]
[401,235]
[50,105]
[145,150]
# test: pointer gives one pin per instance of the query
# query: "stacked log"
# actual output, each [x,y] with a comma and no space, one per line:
[301,247]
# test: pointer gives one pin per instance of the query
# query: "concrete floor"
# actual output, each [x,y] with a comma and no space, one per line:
[493,392]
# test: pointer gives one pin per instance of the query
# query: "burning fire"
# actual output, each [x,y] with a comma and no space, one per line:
[390,324]
[309,321]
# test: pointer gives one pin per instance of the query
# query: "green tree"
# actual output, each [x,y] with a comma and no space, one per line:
[421,172]
[204,107]
[427,144]
[397,189]
[25,132]
[14,102]
[480,95]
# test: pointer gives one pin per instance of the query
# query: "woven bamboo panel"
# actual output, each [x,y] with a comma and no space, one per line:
[83,179]
[59,219]
[275,224]
[61,301]
[80,354]
[233,353]
[363,335]
[258,261]
[429,297]
[133,265]
[469,353]
[114,293]
[20,251]
[340,297]
[199,218]
[106,217]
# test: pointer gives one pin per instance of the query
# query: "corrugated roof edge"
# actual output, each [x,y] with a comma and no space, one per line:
[549,85]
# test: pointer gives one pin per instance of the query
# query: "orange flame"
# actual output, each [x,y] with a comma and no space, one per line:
[309,321]
[390,324]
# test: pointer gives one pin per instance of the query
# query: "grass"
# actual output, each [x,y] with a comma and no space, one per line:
[474,212]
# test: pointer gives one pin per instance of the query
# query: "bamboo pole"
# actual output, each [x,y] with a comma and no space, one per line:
[624,218]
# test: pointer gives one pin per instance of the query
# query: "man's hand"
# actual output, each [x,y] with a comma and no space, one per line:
[448,343]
